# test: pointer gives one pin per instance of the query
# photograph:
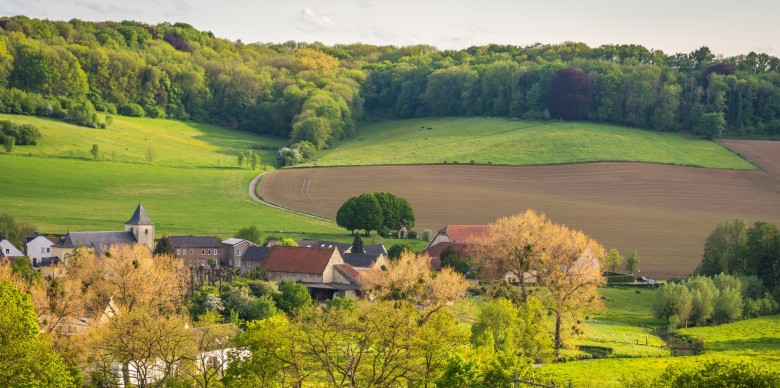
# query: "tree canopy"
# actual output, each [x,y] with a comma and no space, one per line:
[370,211]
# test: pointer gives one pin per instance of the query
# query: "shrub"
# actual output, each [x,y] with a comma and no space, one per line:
[383,231]
[413,235]
[132,110]
[620,279]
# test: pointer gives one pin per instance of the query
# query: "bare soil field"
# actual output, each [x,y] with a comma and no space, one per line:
[765,153]
[665,212]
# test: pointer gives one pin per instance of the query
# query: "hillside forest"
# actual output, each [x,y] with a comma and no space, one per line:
[311,92]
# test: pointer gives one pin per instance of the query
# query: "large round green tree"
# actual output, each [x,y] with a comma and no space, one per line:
[370,211]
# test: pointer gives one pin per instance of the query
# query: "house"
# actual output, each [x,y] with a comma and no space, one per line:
[232,250]
[9,251]
[197,250]
[38,247]
[372,253]
[139,229]
[464,234]
[511,277]
[253,257]
[50,267]
[322,270]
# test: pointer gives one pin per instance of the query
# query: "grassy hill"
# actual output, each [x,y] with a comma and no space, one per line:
[503,141]
[173,143]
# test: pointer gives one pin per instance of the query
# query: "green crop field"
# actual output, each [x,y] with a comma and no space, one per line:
[503,141]
[172,143]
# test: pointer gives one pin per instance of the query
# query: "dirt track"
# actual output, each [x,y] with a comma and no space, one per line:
[665,212]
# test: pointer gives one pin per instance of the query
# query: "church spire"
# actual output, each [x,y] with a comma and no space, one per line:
[139,217]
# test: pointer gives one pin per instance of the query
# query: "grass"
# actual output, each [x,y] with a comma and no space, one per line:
[755,340]
[507,142]
[173,143]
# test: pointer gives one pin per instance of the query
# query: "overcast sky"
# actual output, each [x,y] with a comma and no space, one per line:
[727,27]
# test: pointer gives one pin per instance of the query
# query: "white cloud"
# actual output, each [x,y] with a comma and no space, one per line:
[316,19]
[104,6]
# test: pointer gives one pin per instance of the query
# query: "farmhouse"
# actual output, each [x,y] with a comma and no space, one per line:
[139,229]
[253,257]
[373,253]
[322,270]
[196,250]
[463,234]
[38,247]
[232,250]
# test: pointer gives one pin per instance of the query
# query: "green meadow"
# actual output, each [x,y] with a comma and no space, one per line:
[506,142]
[626,324]
[128,139]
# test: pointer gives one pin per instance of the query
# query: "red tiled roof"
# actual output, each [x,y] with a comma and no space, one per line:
[298,259]
[54,239]
[466,233]
[349,271]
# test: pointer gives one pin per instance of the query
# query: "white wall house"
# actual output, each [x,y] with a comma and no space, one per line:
[38,248]
[9,250]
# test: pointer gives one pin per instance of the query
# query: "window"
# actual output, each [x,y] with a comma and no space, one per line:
[146,231]
[248,264]
[202,251]
[209,252]
[43,249]
[177,252]
[48,250]
[7,251]
[238,252]
[190,252]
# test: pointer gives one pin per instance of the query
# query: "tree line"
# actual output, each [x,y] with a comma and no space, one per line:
[314,93]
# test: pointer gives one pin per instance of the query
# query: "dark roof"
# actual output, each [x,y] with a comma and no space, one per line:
[96,240]
[298,259]
[255,254]
[323,244]
[349,272]
[466,233]
[47,261]
[375,250]
[195,241]
[363,260]
[139,217]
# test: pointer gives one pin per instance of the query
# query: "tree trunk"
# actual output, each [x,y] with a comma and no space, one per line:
[523,292]
[126,374]
[557,333]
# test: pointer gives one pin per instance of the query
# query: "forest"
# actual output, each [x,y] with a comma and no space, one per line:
[311,92]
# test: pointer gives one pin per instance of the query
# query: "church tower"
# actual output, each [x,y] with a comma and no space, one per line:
[141,227]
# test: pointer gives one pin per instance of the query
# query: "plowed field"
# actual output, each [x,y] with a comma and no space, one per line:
[665,212]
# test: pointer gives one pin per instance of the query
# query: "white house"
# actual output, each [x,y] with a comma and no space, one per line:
[38,247]
[9,250]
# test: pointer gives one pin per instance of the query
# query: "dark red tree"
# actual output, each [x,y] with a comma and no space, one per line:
[570,94]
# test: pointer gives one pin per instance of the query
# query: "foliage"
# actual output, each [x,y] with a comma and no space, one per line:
[287,242]
[719,373]
[250,233]
[26,357]
[95,151]
[360,212]
[409,278]
[570,94]
[357,244]
[292,297]
[164,246]
[396,250]
[632,262]
[613,259]
[8,144]
[513,329]
[23,134]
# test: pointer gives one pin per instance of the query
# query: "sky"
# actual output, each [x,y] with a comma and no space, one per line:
[726,27]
